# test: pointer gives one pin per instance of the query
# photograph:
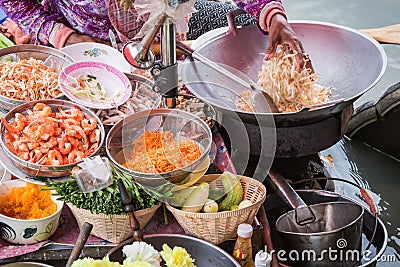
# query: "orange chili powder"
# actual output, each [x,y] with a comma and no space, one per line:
[27,203]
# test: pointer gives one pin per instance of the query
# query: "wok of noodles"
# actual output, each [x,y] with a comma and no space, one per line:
[291,90]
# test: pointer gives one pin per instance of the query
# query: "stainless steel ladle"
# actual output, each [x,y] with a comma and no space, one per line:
[258,97]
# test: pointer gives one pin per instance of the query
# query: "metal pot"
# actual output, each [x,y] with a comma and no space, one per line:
[204,253]
[37,170]
[339,55]
[275,208]
[26,264]
[331,229]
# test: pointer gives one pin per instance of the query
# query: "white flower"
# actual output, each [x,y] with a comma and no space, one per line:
[141,251]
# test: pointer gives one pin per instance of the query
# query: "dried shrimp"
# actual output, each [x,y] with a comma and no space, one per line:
[291,90]
[28,79]
[52,138]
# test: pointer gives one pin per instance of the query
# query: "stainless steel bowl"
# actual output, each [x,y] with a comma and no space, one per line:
[182,125]
[37,170]
[204,253]
[25,51]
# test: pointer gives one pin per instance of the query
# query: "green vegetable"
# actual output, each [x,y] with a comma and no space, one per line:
[107,200]
[210,206]
[216,194]
[4,41]
[196,199]
[179,198]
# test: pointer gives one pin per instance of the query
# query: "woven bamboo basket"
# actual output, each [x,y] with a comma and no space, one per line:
[113,228]
[221,226]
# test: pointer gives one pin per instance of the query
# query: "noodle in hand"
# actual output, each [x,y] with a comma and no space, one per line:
[289,89]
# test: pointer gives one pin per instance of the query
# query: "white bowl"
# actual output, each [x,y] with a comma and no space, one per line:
[111,80]
[5,175]
[97,52]
[27,231]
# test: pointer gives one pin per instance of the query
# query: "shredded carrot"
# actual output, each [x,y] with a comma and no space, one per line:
[27,203]
[157,152]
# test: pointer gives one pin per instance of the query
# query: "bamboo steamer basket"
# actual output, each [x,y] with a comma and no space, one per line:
[222,226]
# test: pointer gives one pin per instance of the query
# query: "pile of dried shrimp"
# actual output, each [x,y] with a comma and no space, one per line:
[28,79]
[291,90]
[48,138]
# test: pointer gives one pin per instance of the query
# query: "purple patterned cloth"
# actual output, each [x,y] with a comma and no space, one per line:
[84,16]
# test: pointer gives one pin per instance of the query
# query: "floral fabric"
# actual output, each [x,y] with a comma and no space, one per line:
[89,17]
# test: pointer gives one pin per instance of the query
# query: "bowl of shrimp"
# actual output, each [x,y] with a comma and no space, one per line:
[47,138]
[29,73]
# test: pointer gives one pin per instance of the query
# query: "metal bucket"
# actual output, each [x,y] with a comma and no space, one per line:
[315,235]
[275,208]
[334,239]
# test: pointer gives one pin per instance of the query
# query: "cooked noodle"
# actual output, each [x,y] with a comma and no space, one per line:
[289,89]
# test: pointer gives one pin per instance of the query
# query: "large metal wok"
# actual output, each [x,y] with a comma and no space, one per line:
[344,58]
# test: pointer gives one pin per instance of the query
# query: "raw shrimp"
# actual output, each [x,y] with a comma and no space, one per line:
[14,126]
[73,141]
[54,157]
[21,146]
[35,155]
[42,109]
[88,124]
[64,146]
[76,131]
[75,156]
[51,143]
[94,136]
[91,150]
[73,113]
[48,138]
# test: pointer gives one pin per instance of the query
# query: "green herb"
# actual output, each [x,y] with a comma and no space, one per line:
[107,200]
[91,77]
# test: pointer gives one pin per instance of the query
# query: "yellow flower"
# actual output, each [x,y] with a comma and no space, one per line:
[178,257]
[89,262]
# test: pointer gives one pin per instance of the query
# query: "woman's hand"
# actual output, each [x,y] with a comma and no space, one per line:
[81,38]
[282,33]
[13,31]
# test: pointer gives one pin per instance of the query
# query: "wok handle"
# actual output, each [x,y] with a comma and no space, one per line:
[284,191]
[231,20]
[267,235]
[369,200]
[80,243]
[211,64]
[129,208]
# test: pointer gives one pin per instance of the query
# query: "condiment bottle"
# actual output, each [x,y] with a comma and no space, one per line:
[243,252]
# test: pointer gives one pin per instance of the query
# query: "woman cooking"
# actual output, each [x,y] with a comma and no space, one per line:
[63,22]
